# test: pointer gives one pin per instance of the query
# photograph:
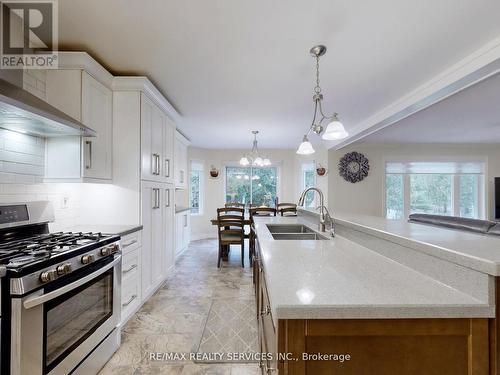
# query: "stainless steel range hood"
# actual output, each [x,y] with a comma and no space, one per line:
[23,112]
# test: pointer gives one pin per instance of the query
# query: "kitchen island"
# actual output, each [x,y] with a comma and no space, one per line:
[390,307]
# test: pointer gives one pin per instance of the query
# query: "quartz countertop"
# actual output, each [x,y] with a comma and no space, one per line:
[181,209]
[340,279]
[121,230]
[477,251]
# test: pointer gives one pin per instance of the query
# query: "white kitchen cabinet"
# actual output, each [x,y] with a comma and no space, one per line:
[97,114]
[157,133]
[181,161]
[182,231]
[153,238]
[169,226]
[131,246]
[63,90]
[151,140]
[143,126]
[168,150]
[78,94]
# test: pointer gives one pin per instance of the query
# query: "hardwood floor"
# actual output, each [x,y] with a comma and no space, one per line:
[171,321]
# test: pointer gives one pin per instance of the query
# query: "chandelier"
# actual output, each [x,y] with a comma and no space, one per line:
[334,130]
[254,158]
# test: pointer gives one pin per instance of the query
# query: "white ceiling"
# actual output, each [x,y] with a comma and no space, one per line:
[230,66]
[470,116]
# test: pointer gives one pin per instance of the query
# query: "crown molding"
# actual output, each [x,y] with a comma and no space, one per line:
[478,66]
[143,84]
[179,135]
[83,61]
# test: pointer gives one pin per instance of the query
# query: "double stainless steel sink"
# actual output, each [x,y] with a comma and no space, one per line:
[294,232]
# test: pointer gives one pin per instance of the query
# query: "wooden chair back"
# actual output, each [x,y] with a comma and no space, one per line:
[230,221]
[262,211]
[284,208]
[235,204]
[231,230]
[230,213]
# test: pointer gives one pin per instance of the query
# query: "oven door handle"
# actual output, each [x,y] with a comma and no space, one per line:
[35,301]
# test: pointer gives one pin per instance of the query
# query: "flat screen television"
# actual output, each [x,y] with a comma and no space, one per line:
[497,198]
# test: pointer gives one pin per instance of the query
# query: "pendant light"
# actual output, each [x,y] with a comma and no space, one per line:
[334,130]
[254,158]
[305,147]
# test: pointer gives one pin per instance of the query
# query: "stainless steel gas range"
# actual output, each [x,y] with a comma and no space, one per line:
[60,296]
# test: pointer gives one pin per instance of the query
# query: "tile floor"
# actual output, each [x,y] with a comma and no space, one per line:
[171,320]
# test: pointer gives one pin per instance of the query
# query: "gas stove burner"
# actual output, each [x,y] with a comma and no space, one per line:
[20,253]
[40,253]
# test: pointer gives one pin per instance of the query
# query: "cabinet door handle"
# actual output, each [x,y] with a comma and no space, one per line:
[129,243]
[181,178]
[167,167]
[131,268]
[155,164]
[89,164]
[134,296]
[156,198]
[167,198]
[185,220]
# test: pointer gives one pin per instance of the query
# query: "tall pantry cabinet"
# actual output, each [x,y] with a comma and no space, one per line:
[147,135]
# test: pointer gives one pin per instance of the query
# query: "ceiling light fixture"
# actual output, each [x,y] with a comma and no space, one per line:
[254,158]
[334,130]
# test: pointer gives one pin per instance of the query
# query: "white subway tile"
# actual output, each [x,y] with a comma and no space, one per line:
[25,148]
[14,189]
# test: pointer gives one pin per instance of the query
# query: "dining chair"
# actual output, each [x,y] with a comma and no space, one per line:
[287,208]
[257,211]
[231,230]
[235,204]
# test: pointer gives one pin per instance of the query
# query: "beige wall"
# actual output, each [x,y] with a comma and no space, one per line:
[289,181]
[367,196]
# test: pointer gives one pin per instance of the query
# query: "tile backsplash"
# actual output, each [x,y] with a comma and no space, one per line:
[65,198]
[22,158]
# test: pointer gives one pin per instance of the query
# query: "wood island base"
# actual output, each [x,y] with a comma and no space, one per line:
[382,347]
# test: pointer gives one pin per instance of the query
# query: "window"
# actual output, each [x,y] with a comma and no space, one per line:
[440,188]
[196,188]
[309,180]
[251,185]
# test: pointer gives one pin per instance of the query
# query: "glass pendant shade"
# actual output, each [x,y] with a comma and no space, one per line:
[266,162]
[258,161]
[335,131]
[305,147]
[244,161]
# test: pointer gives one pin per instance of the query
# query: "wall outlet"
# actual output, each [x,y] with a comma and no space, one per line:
[65,201]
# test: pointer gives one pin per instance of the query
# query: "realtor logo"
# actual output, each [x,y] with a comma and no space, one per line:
[29,34]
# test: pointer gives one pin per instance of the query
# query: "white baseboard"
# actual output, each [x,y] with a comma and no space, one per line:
[204,236]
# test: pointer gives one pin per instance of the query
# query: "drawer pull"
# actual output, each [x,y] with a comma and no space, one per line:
[266,311]
[131,268]
[129,243]
[134,296]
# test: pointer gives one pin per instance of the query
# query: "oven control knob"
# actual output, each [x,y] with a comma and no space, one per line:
[47,276]
[89,258]
[109,250]
[63,269]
